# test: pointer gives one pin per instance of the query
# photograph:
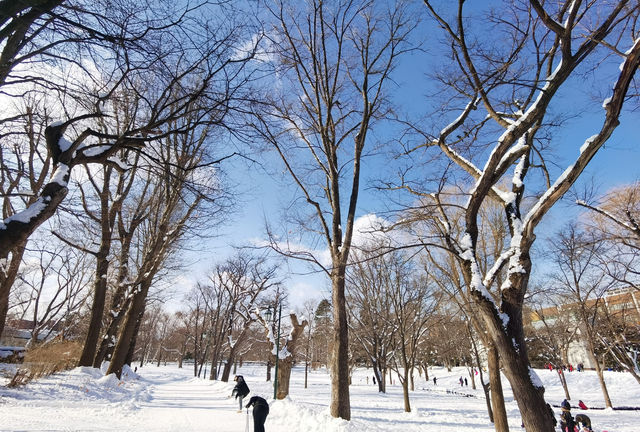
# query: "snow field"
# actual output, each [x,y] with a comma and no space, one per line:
[171,399]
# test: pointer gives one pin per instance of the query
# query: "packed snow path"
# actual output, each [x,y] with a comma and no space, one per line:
[178,405]
[168,399]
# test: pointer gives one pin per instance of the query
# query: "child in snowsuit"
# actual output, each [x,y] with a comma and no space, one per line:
[584,421]
[260,412]
[240,390]
[567,424]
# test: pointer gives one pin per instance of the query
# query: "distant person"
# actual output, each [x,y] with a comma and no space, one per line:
[435,381]
[461,382]
[374,380]
[240,390]
[567,424]
[260,412]
[466,383]
[584,423]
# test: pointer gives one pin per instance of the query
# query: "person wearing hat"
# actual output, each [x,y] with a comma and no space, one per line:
[240,390]
[567,424]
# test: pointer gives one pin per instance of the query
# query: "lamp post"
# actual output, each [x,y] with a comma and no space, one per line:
[269,316]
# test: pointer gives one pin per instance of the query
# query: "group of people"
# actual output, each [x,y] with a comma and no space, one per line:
[569,424]
[261,409]
[260,405]
[567,367]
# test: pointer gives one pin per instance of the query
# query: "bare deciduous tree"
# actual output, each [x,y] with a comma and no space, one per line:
[498,140]
[334,60]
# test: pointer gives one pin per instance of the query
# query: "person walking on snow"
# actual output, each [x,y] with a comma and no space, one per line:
[240,390]
[260,412]
[567,424]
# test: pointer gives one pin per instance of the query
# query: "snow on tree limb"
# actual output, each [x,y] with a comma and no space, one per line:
[591,145]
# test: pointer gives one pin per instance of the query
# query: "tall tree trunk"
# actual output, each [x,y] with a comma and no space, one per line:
[340,403]
[226,371]
[132,345]
[600,372]
[119,302]
[8,276]
[563,381]
[379,377]
[127,332]
[284,376]
[497,396]
[405,389]
[97,308]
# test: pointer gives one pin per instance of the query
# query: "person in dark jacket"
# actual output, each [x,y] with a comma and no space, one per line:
[567,424]
[260,412]
[240,390]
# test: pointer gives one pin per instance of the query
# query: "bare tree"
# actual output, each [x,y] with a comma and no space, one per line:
[372,325]
[121,41]
[174,208]
[244,280]
[575,256]
[286,351]
[414,305]
[615,218]
[334,60]
[555,334]
[309,308]
[498,142]
[52,287]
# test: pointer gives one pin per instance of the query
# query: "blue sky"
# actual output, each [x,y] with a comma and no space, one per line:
[265,196]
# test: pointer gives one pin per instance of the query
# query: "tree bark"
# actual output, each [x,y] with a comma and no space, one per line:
[340,403]
[7,278]
[126,338]
[285,364]
[499,412]
[600,372]
[97,309]
[563,381]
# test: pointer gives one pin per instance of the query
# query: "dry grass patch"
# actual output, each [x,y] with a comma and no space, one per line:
[47,359]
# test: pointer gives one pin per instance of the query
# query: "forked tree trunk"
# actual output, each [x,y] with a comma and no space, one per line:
[508,338]
[285,364]
[126,337]
[119,302]
[379,377]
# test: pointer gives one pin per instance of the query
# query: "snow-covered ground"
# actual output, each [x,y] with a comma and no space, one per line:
[170,399]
